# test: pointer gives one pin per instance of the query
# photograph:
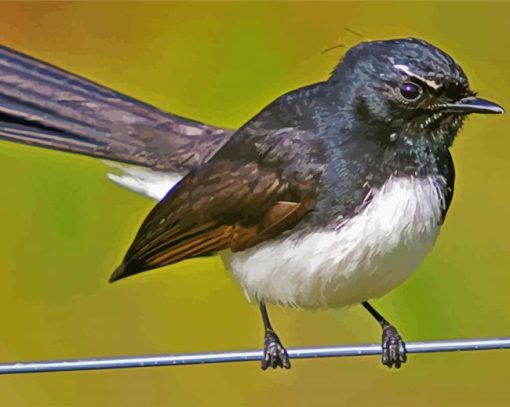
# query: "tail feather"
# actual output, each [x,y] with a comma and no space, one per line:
[45,106]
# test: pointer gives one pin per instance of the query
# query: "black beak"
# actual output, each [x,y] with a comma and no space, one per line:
[472,105]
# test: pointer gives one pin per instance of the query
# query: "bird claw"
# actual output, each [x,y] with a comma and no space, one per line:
[275,355]
[393,348]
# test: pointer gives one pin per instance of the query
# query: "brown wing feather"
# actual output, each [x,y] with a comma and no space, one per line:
[221,206]
[212,241]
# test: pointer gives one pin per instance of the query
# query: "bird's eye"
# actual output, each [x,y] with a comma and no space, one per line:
[410,91]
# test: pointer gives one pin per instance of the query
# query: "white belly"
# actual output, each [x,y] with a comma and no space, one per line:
[366,257]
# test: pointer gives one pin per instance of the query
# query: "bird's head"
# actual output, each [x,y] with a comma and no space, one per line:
[409,87]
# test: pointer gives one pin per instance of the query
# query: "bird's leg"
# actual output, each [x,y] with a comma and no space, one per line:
[274,353]
[393,347]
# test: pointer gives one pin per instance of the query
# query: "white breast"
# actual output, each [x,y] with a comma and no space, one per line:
[366,257]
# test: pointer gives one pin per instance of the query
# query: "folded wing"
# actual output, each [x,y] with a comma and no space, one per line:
[220,206]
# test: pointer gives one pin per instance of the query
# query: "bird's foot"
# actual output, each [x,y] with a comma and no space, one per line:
[393,347]
[274,353]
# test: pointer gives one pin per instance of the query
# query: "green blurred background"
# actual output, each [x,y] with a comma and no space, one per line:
[64,226]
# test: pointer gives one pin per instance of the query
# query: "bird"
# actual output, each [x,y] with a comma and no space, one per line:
[330,196]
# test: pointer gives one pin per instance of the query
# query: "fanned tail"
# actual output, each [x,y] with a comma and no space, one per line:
[45,106]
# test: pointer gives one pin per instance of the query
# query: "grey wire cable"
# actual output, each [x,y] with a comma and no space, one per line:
[246,356]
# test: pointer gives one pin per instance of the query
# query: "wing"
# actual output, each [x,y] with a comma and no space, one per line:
[47,107]
[224,205]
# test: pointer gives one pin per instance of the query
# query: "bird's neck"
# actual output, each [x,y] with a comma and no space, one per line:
[379,147]
[366,161]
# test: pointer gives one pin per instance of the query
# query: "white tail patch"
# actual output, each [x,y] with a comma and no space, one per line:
[152,184]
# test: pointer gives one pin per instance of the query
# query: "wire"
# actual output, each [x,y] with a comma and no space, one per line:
[246,356]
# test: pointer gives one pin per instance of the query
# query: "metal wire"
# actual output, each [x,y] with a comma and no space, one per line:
[246,356]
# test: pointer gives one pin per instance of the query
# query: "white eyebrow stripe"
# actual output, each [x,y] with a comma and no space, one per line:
[404,69]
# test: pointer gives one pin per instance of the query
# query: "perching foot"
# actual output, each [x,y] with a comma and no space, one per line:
[393,347]
[275,354]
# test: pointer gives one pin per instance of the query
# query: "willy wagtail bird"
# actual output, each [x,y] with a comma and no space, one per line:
[330,196]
